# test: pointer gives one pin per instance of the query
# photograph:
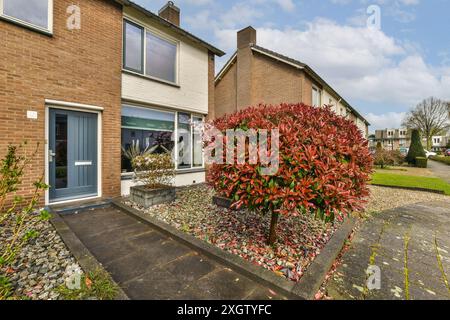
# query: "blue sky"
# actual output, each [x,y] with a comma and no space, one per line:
[381,72]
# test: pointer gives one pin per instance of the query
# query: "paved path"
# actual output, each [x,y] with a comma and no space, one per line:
[410,245]
[440,170]
[149,266]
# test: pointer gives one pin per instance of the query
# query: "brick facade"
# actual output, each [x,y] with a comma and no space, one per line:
[255,78]
[80,66]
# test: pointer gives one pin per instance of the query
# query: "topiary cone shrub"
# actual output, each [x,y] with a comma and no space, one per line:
[416,149]
[324,167]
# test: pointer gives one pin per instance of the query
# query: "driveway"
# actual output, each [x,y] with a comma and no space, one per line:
[148,265]
[440,170]
[409,248]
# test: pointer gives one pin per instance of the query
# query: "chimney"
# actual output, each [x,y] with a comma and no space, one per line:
[171,13]
[246,37]
[244,75]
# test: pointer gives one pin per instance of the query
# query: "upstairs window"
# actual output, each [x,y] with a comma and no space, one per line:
[33,13]
[316,97]
[133,47]
[149,54]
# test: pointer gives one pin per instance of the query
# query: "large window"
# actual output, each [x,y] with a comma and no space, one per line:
[33,13]
[149,54]
[148,129]
[158,131]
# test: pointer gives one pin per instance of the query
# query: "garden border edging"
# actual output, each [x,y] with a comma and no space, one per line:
[83,256]
[305,289]
[408,188]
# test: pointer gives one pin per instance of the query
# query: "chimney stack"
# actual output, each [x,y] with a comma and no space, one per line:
[244,74]
[171,13]
[246,37]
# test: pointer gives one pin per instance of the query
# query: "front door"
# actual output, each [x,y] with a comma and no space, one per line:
[72,155]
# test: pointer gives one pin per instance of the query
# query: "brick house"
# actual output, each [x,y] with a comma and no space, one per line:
[76,80]
[391,139]
[256,75]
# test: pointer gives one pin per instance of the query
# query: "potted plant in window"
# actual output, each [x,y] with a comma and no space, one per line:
[156,173]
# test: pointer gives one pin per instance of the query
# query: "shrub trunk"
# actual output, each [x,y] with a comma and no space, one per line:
[273,229]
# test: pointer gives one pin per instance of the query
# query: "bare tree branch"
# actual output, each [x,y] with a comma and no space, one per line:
[431,117]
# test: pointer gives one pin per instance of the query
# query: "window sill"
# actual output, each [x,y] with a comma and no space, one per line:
[130,175]
[172,84]
[26,26]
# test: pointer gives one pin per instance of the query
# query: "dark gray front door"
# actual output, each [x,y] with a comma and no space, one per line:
[72,154]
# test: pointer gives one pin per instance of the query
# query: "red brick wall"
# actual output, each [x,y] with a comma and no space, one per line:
[255,79]
[82,66]
[225,93]
[275,82]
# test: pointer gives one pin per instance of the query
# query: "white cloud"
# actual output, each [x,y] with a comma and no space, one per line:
[385,121]
[361,63]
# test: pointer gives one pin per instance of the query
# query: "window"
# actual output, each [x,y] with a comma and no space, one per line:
[133,47]
[33,13]
[184,140]
[161,58]
[316,97]
[197,143]
[147,128]
[149,54]
[159,130]
[189,141]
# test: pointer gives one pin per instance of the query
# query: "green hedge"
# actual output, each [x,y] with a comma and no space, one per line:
[421,162]
[445,160]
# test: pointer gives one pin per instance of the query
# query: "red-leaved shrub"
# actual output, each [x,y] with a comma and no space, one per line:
[324,167]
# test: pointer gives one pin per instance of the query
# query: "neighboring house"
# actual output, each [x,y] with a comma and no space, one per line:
[391,139]
[441,143]
[256,75]
[79,92]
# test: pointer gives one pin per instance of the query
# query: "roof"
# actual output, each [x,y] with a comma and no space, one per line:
[293,63]
[173,27]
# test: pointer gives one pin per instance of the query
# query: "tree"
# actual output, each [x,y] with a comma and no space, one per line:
[324,164]
[430,117]
[416,148]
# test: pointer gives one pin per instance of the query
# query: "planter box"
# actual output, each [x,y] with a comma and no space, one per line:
[151,197]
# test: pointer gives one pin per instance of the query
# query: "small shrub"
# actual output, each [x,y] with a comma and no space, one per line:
[416,149]
[383,158]
[324,167]
[17,213]
[445,160]
[421,162]
[154,170]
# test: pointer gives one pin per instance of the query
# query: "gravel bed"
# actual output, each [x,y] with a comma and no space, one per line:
[382,199]
[244,233]
[43,264]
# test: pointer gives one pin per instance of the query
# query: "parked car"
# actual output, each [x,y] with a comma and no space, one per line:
[447,153]
[404,151]
[430,154]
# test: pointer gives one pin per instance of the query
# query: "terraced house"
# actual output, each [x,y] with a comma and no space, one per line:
[256,75]
[86,79]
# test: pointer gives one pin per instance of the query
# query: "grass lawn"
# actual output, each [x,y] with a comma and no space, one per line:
[398,180]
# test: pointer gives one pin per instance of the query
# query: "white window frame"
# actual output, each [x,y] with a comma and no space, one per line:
[175,136]
[160,35]
[191,143]
[48,30]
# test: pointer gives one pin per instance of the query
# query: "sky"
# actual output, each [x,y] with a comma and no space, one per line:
[382,67]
